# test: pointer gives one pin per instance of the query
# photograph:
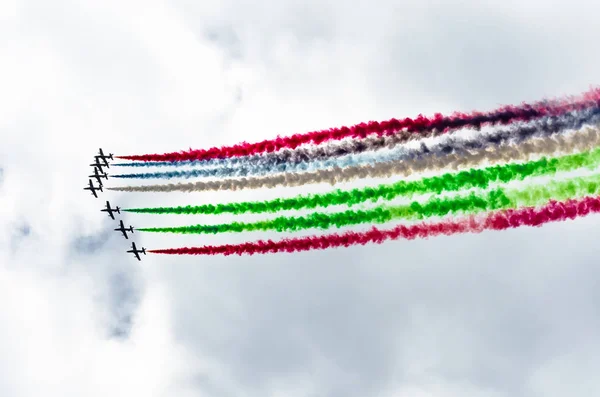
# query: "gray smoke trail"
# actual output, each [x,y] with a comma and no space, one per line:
[582,140]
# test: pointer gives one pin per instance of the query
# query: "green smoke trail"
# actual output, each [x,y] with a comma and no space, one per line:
[474,178]
[472,203]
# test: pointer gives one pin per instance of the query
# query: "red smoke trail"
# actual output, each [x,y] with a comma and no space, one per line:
[503,115]
[498,220]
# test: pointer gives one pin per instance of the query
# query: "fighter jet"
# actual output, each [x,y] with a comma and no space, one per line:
[111,210]
[136,252]
[93,188]
[124,230]
[103,157]
[98,176]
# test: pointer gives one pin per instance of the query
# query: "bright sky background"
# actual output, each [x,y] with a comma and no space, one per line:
[501,314]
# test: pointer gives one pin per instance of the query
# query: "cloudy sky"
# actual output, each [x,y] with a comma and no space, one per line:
[501,314]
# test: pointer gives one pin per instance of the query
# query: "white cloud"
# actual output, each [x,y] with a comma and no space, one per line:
[498,314]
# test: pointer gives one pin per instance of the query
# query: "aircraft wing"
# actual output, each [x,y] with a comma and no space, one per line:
[92,189]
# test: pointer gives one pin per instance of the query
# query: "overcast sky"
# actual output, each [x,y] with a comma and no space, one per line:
[500,314]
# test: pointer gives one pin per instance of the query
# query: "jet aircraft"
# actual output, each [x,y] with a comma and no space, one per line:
[93,188]
[136,252]
[111,210]
[104,157]
[124,230]
[98,176]
[99,165]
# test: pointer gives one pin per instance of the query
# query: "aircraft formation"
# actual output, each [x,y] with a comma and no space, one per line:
[100,161]
[462,185]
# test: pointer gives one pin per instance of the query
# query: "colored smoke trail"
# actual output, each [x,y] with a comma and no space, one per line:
[503,115]
[357,151]
[501,220]
[471,203]
[584,140]
[473,178]
[542,128]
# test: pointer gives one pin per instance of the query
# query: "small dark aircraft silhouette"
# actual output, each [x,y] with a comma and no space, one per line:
[93,188]
[98,176]
[124,230]
[99,165]
[104,157]
[136,252]
[111,210]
